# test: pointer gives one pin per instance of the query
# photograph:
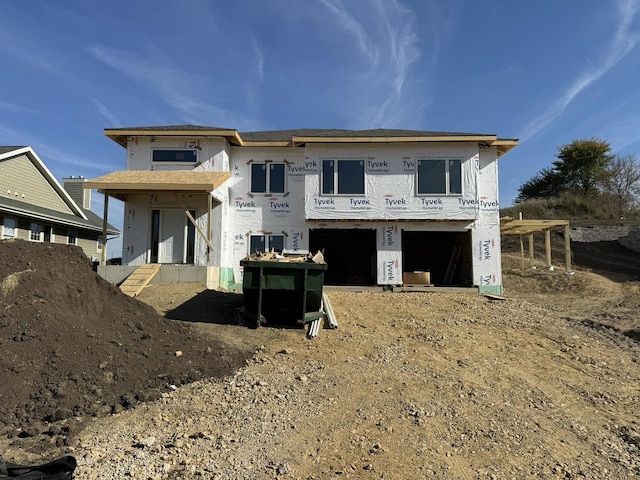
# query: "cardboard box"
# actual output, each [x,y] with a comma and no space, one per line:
[416,278]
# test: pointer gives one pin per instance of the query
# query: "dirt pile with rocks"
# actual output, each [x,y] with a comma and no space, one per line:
[541,384]
[74,346]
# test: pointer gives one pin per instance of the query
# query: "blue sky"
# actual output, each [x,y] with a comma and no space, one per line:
[545,72]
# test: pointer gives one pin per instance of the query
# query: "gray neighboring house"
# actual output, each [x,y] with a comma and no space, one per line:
[35,207]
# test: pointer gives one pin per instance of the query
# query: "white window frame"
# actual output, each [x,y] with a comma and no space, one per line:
[268,164]
[36,234]
[99,247]
[267,241]
[13,229]
[336,177]
[447,177]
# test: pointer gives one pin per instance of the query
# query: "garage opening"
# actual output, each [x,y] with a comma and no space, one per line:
[446,255]
[350,255]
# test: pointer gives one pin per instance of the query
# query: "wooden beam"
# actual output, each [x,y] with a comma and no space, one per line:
[209,208]
[202,234]
[103,259]
[531,252]
[567,247]
[547,247]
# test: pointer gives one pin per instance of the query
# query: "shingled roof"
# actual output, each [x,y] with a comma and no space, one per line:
[4,149]
[302,136]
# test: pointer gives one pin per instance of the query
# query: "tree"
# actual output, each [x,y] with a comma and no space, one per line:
[543,184]
[623,180]
[582,165]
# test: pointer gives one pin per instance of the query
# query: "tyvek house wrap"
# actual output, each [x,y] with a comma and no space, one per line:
[390,196]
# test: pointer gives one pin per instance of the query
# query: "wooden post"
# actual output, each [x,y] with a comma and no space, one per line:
[103,260]
[209,207]
[567,246]
[531,250]
[547,247]
[521,246]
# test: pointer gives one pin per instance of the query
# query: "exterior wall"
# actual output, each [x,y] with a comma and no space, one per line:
[391,193]
[136,235]
[26,184]
[86,240]
[390,183]
[211,155]
[77,192]
[210,150]
[487,271]
[249,214]
[89,245]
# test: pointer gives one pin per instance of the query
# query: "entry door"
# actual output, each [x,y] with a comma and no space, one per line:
[172,232]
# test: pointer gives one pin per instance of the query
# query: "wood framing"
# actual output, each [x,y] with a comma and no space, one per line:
[511,226]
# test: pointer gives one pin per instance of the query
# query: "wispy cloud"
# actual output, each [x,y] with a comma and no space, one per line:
[624,40]
[351,25]
[259,53]
[106,114]
[386,38]
[175,86]
[51,155]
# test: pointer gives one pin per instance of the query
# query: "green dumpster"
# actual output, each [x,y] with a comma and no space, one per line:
[280,291]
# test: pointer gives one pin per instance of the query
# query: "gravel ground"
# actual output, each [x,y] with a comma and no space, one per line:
[419,385]
[542,384]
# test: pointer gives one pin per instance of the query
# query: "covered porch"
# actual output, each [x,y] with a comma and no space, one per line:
[167,214]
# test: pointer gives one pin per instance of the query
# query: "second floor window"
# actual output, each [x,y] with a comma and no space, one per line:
[174,156]
[268,178]
[342,177]
[439,177]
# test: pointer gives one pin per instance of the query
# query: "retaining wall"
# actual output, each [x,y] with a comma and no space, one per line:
[601,233]
[631,241]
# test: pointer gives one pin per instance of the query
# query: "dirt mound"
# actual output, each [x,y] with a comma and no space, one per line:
[74,345]
[543,281]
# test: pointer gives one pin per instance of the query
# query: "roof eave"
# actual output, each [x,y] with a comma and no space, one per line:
[504,145]
[120,135]
[298,141]
[53,219]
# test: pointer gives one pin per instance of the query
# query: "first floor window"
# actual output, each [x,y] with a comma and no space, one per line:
[99,249]
[35,233]
[72,236]
[266,243]
[439,177]
[268,178]
[342,177]
[10,226]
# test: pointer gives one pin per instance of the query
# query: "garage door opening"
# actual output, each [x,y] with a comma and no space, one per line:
[447,255]
[350,255]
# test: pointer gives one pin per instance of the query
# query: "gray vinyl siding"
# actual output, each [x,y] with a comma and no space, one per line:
[89,244]
[19,175]
[86,240]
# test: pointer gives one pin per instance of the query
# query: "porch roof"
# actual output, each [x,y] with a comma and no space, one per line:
[144,181]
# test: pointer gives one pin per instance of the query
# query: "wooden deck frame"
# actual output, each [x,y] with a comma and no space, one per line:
[511,226]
